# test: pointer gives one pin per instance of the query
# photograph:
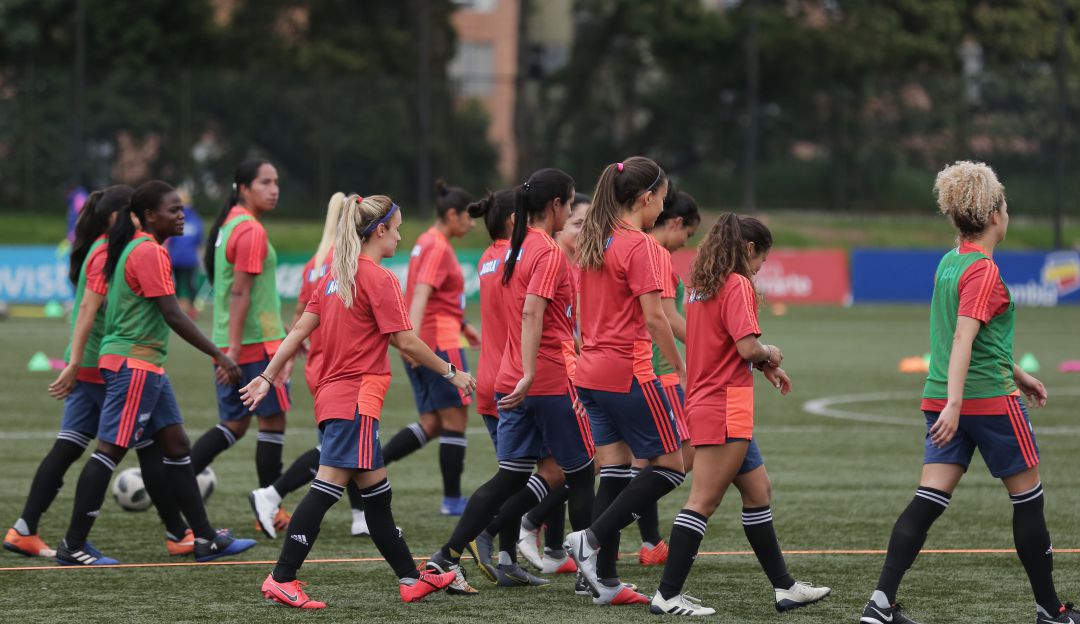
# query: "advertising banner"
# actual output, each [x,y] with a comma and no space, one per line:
[817,276]
[1035,278]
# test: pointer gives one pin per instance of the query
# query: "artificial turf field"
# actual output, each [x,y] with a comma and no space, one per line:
[838,486]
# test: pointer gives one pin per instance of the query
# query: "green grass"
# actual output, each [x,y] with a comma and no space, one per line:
[837,485]
[790,229]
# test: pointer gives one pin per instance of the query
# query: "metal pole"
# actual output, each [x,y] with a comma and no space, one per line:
[1062,120]
[423,106]
[752,49]
[78,144]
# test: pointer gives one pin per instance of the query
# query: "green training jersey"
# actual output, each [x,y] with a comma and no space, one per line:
[263,322]
[134,326]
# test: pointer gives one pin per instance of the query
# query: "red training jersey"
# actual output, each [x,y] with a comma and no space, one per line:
[718,380]
[310,278]
[492,324]
[356,368]
[982,297]
[616,345]
[541,270]
[96,282]
[434,263]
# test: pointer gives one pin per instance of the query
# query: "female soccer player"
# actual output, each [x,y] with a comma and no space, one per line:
[971,399]
[551,512]
[82,388]
[673,227]
[266,502]
[359,307]
[722,343]
[435,291]
[621,315]
[538,419]
[139,404]
[242,265]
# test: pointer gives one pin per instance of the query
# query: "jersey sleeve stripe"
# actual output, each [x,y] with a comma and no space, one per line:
[551,271]
[399,298]
[651,248]
[429,263]
[749,299]
[986,289]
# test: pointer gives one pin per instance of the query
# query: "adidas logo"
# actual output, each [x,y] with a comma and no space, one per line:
[300,538]
[93,514]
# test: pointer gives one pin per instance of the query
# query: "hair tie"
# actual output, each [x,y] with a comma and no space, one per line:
[526,186]
[620,167]
[234,186]
[359,198]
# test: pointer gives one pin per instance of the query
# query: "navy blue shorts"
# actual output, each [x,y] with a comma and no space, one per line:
[641,417]
[430,391]
[1005,442]
[492,425]
[351,444]
[753,459]
[82,413]
[230,407]
[542,426]
[138,404]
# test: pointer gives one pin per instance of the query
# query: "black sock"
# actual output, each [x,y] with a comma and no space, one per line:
[541,513]
[49,477]
[648,487]
[301,471]
[89,494]
[613,480]
[509,517]
[908,537]
[580,498]
[1034,548]
[757,523]
[160,490]
[356,499]
[384,531]
[484,504]
[209,446]
[404,442]
[185,489]
[686,534]
[648,519]
[452,446]
[268,448]
[304,528]
[555,529]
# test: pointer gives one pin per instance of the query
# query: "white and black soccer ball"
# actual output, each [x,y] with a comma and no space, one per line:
[207,482]
[130,492]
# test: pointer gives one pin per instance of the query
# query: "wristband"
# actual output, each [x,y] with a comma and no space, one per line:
[267,379]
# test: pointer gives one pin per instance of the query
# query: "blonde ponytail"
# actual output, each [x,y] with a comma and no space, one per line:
[357,213]
[333,212]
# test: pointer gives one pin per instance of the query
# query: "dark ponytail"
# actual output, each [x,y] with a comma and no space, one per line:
[147,197]
[495,208]
[679,204]
[244,175]
[530,200]
[93,221]
[449,198]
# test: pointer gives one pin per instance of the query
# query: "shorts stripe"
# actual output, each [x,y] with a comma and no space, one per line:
[582,418]
[131,407]
[364,452]
[283,398]
[676,404]
[455,358]
[660,417]
[1023,434]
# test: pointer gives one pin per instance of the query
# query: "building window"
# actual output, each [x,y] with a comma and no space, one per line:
[473,68]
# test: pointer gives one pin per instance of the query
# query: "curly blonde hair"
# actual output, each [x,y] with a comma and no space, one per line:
[968,193]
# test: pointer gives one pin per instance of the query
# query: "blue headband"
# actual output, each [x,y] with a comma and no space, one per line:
[371,227]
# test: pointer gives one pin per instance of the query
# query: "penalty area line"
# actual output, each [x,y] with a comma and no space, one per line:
[718,553]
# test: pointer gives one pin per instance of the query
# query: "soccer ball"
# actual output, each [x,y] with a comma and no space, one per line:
[130,492]
[207,482]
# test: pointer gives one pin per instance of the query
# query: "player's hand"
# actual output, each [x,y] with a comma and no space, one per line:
[410,362]
[226,372]
[472,336]
[779,379]
[464,381]
[943,430]
[517,397]
[305,347]
[65,383]
[253,393]
[1032,388]
[285,374]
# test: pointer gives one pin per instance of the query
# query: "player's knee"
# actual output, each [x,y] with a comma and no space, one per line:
[237,427]
[274,422]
